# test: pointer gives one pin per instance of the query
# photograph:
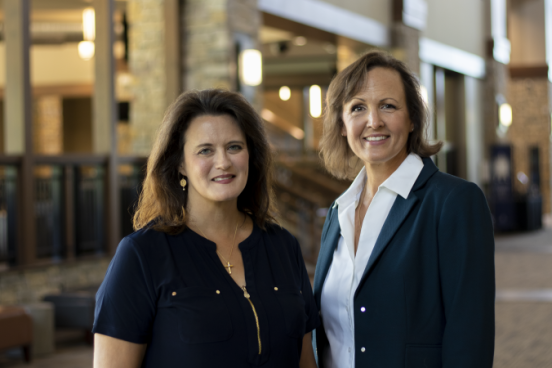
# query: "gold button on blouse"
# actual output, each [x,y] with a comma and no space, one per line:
[173,293]
[218,292]
[275,288]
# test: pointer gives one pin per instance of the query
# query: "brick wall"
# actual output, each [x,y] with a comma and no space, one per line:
[147,66]
[531,127]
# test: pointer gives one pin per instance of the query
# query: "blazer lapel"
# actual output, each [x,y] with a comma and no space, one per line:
[325,257]
[399,211]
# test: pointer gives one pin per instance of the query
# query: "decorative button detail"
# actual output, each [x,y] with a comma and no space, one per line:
[218,292]
[173,293]
[362,309]
[362,349]
[301,291]
[275,289]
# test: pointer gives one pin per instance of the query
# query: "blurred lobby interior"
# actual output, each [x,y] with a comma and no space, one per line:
[84,85]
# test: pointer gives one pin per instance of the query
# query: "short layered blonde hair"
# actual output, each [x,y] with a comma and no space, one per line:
[338,157]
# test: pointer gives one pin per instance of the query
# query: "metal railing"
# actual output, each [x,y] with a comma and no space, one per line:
[8,214]
[69,209]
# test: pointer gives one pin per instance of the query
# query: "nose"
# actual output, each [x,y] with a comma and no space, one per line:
[222,160]
[373,118]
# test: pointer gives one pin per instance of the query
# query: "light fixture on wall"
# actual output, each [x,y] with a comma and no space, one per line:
[251,67]
[284,93]
[86,50]
[505,114]
[424,94]
[315,101]
[86,47]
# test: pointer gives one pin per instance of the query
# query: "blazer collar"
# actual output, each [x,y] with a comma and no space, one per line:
[400,210]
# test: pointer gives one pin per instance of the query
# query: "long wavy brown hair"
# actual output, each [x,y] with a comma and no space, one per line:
[162,202]
[338,157]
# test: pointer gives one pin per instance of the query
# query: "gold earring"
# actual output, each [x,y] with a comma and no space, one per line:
[183,183]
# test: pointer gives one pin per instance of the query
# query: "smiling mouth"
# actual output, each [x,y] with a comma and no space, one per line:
[224,177]
[376,138]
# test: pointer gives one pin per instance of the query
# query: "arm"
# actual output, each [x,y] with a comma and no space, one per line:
[307,355]
[466,267]
[110,352]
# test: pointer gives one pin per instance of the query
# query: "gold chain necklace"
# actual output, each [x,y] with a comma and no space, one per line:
[228,265]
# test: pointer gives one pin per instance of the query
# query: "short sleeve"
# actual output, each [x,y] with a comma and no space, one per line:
[125,302]
[311,310]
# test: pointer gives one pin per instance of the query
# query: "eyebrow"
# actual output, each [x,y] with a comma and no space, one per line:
[211,144]
[383,99]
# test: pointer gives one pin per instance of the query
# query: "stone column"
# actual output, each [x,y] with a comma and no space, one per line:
[146,65]
[48,125]
[214,31]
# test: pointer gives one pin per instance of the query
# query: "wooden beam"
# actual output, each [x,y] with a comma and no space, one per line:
[532,71]
[18,119]
[172,51]
[104,112]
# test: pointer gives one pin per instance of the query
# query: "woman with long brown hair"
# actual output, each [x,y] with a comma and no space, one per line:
[208,279]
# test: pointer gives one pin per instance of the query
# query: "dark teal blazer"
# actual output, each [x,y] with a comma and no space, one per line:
[429,286]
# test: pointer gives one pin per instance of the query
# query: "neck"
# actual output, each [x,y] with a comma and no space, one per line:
[377,173]
[213,218]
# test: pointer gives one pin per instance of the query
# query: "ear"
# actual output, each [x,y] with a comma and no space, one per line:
[343,130]
[181,169]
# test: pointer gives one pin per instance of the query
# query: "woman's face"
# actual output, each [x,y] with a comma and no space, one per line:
[216,159]
[376,121]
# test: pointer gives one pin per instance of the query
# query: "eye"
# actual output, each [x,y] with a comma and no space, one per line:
[357,108]
[388,106]
[235,148]
[204,151]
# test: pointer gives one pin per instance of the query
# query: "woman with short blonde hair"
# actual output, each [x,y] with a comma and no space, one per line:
[405,273]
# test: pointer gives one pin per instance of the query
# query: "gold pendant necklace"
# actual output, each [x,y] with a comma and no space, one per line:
[228,266]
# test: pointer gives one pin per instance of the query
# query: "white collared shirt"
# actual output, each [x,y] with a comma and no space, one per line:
[346,270]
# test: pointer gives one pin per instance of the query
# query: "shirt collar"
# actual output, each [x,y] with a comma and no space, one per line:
[400,182]
[403,179]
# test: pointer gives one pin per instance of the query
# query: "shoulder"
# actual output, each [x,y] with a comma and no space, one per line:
[446,188]
[146,244]
[281,237]
[277,231]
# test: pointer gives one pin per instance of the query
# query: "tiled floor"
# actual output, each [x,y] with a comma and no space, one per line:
[71,352]
[524,300]
[523,310]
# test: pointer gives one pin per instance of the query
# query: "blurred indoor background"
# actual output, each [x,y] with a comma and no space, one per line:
[84,85]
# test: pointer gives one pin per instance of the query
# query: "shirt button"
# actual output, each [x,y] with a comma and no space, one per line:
[275,289]
[362,309]
[362,349]
[218,292]
[349,350]
[173,293]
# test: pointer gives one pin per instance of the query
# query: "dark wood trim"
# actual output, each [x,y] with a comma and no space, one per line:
[532,71]
[134,160]
[72,159]
[65,90]
[397,11]
[11,160]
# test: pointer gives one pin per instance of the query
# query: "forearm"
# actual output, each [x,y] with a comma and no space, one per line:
[110,352]
[307,354]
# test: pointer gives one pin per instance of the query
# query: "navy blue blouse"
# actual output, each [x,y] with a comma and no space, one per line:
[173,293]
